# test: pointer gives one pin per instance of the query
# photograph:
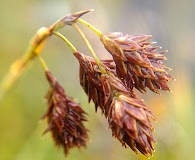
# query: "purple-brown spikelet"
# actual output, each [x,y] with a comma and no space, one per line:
[65,118]
[138,62]
[128,116]
[90,80]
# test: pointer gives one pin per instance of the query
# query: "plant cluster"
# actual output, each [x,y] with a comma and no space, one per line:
[109,83]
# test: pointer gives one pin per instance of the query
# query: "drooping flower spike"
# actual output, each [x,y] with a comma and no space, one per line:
[65,118]
[128,116]
[138,62]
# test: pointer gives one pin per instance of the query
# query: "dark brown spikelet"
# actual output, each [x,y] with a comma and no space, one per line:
[65,118]
[138,62]
[90,80]
[128,116]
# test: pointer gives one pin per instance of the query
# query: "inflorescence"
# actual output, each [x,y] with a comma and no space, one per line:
[136,64]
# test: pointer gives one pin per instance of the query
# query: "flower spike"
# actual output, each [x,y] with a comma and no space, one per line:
[65,118]
[128,116]
[138,62]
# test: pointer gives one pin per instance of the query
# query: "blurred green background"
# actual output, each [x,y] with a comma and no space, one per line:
[172,25]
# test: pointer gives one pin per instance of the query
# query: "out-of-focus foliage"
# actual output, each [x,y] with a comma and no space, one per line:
[172,25]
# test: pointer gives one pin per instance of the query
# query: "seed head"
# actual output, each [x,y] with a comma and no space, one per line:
[137,61]
[65,118]
[90,79]
[128,116]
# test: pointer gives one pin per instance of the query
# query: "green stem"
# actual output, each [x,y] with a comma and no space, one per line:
[18,67]
[98,32]
[15,71]
[35,47]
[65,40]
[90,48]
[43,63]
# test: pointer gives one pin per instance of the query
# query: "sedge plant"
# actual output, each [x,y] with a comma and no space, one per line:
[136,64]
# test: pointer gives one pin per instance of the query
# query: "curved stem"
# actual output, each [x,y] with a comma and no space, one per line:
[15,71]
[90,48]
[35,47]
[98,32]
[65,40]
[17,68]
[43,63]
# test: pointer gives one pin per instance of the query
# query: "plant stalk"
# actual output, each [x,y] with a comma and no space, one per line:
[98,32]
[18,67]
[65,40]
[90,48]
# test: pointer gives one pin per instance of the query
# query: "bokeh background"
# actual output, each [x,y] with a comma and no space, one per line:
[172,25]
